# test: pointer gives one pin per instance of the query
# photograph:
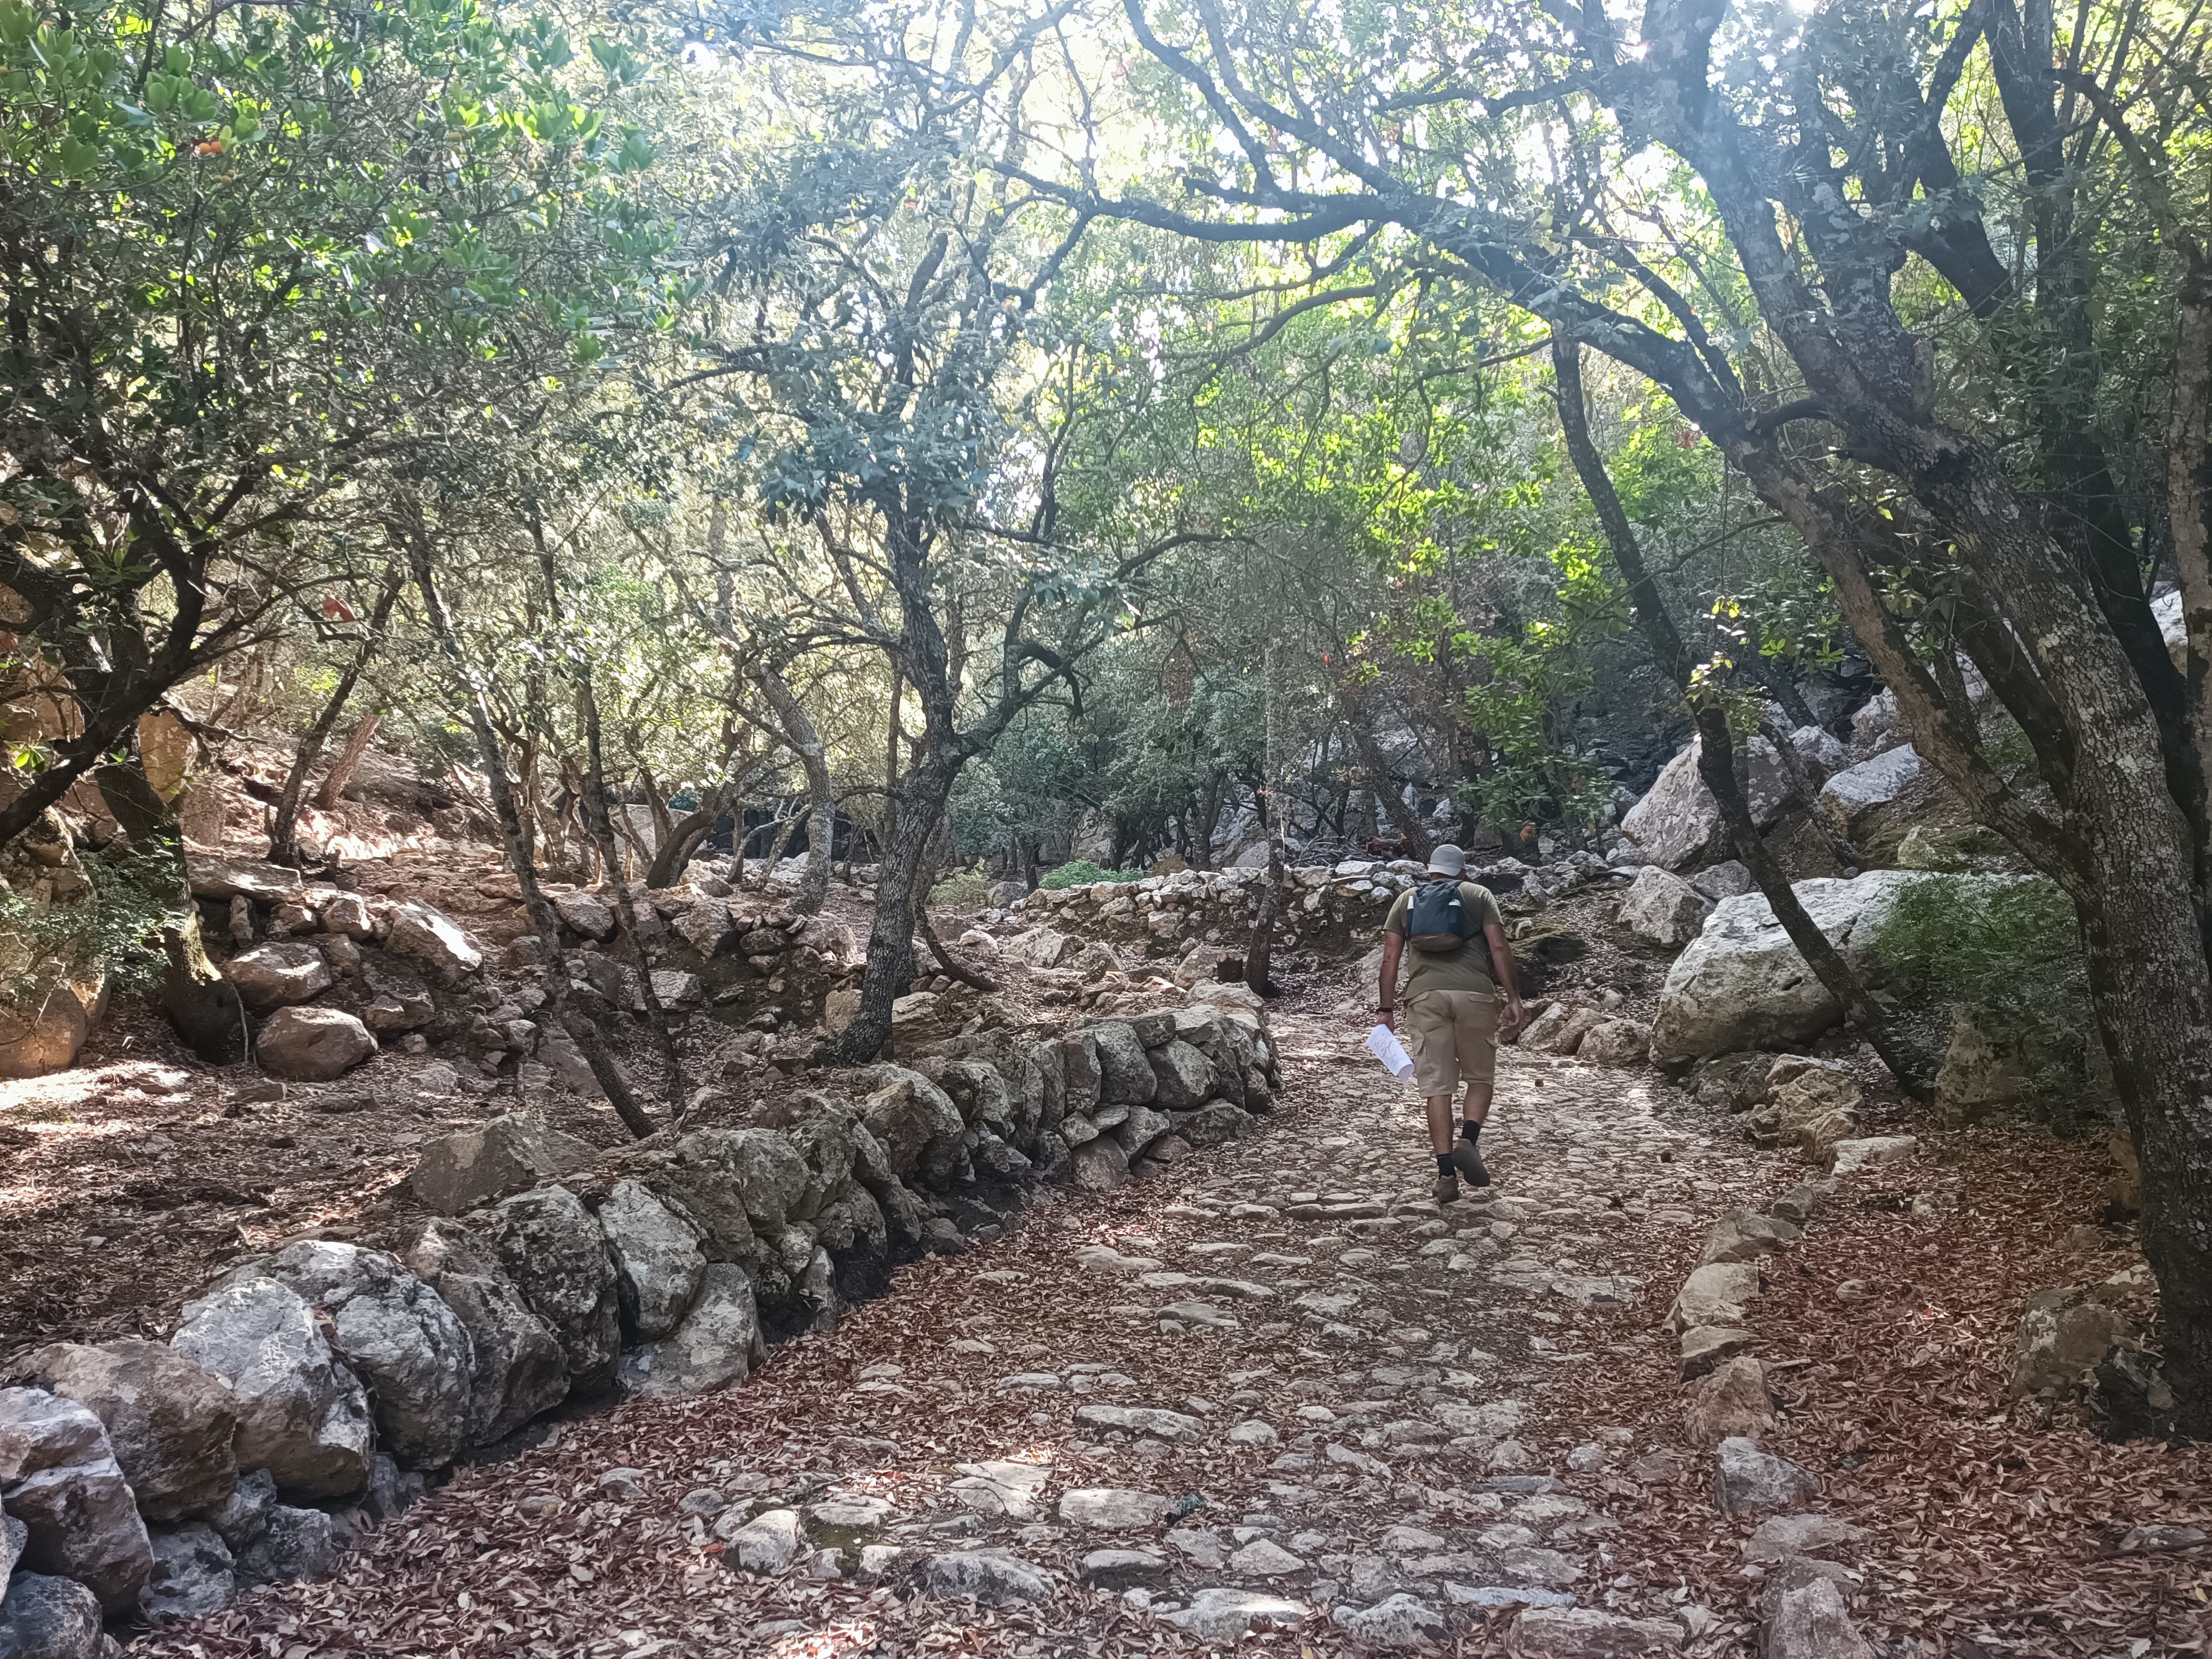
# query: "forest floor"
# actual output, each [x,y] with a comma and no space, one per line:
[1330,1327]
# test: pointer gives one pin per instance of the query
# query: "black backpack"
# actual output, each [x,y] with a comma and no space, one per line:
[1435,917]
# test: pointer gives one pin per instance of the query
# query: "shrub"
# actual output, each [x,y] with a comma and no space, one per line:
[113,923]
[2007,952]
[968,891]
[1081,872]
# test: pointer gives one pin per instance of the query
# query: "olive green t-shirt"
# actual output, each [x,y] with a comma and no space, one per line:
[1467,969]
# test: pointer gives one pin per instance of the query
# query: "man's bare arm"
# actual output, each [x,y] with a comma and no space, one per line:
[1501,957]
[1386,995]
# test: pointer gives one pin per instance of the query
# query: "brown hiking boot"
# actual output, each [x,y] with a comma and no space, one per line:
[1468,1162]
[1447,1190]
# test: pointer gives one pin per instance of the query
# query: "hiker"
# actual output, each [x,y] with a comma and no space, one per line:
[1450,1004]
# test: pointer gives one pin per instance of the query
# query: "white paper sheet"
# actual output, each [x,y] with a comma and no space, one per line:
[1383,1044]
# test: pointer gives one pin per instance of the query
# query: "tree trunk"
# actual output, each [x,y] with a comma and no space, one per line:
[601,828]
[924,791]
[799,730]
[684,836]
[1715,746]
[1260,952]
[283,847]
[342,768]
[581,1029]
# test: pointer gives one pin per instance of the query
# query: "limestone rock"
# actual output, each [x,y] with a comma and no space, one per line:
[1705,1346]
[303,1414]
[277,975]
[1400,1621]
[1745,1236]
[767,1543]
[1079,1075]
[555,1253]
[707,928]
[657,1260]
[1746,1479]
[1113,1509]
[1099,1165]
[1735,1083]
[211,876]
[1122,1568]
[1715,1294]
[1223,1615]
[1212,1125]
[992,1577]
[915,1121]
[44,1024]
[1810,1620]
[519,1368]
[193,1575]
[1678,821]
[1616,1042]
[2065,1334]
[1847,1158]
[587,913]
[1728,878]
[295,1544]
[511,1153]
[426,935]
[1741,984]
[1125,1071]
[1141,1129]
[1182,1076]
[1876,804]
[1586,1633]
[43,1616]
[1043,947]
[396,1334]
[1780,1536]
[312,1045]
[1729,1402]
[719,1341]
[1661,909]
[59,1478]
[169,1423]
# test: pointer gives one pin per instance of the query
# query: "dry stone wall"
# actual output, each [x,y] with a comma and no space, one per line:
[311,1392]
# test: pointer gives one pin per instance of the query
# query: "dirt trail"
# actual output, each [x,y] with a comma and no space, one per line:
[1278,1379]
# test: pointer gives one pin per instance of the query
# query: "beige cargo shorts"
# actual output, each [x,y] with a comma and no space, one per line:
[1452,1036]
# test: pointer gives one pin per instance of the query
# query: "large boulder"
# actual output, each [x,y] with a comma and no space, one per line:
[44,1616]
[58,1476]
[169,1422]
[1043,947]
[513,1153]
[397,1334]
[276,976]
[915,1121]
[1741,984]
[518,1369]
[1100,1165]
[292,1544]
[303,1414]
[211,876]
[1661,909]
[2066,1334]
[719,1341]
[554,1250]
[312,1045]
[1678,822]
[1875,804]
[658,1263]
[44,1022]
[766,1173]
[707,928]
[1125,1071]
[426,935]
[1212,1124]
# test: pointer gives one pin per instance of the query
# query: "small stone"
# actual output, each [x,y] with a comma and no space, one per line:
[1557,1632]
[1746,1479]
[1263,1558]
[1810,1621]
[701,1500]
[768,1543]
[1707,1346]
[1398,1622]
[1780,1536]
[1253,1432]
[1588,1458]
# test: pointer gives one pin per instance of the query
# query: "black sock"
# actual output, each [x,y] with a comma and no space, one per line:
[1444,1166]
[1470,1131]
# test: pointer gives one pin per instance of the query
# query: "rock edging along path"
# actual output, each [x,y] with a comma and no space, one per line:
[1271,1388]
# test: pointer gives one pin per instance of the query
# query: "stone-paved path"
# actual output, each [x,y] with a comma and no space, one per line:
[1276,1388]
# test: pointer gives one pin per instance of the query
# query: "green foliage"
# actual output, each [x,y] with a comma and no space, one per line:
[968,891]
[114,926]
[1082,872]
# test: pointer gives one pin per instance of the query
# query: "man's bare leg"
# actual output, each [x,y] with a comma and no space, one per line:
[1440,1123]
[1467,1154]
